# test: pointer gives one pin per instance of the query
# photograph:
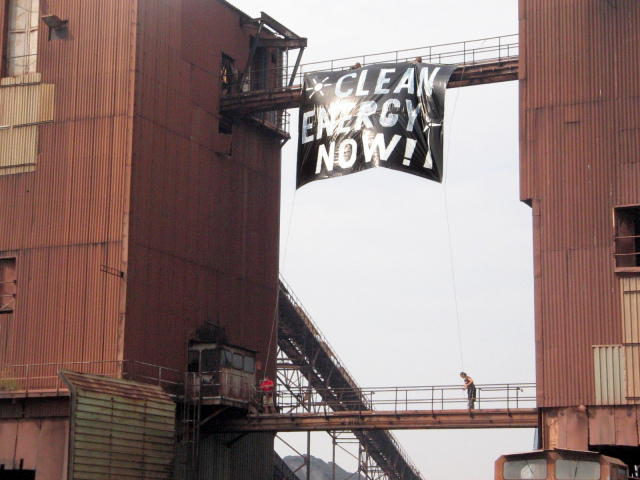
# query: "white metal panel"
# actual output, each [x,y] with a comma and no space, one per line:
[609,370]
[632,355]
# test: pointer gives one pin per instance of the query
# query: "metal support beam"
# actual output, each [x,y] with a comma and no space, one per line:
[375,420]
[296,67]
[254,47]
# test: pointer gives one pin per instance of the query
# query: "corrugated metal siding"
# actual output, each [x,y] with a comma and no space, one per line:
[119,429]
[224,456]
[630,291]
[205,223]
[579,141]
[39,445]
[632,354]
[610,379]
[65,220]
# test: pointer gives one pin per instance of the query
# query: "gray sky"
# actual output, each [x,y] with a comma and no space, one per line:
[370,255]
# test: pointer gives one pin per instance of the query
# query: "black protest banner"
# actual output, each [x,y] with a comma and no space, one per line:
[386,115]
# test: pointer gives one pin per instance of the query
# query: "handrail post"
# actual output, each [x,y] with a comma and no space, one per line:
[432,394]
[395,403]
[26,388]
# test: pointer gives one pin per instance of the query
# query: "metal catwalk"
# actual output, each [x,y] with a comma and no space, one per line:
[489,60]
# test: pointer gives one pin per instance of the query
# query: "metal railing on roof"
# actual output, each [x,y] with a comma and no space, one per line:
[42,380]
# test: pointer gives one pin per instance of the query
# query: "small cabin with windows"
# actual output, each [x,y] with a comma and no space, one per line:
[559,464]
[221,374]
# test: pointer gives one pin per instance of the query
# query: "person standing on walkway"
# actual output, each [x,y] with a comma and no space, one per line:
[470,387]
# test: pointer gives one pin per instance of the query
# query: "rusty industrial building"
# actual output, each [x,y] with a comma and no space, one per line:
[135,213]
[140,170]
[580,173]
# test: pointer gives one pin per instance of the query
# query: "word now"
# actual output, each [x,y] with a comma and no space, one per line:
[373,149]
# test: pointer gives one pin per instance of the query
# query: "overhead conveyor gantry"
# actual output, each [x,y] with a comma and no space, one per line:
[480,62]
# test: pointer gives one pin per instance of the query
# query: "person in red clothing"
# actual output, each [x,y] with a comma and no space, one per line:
[266,386]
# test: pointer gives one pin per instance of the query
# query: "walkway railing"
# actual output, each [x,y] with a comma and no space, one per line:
[467,53]
[403,399]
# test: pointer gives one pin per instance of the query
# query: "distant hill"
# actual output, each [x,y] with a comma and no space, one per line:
[320,470]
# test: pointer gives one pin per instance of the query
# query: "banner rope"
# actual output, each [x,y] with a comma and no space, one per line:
[446,207]
[284,259]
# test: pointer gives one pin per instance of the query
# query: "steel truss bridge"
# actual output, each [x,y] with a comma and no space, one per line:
[317,393]
[489,60]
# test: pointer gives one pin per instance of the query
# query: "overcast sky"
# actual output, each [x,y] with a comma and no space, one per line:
[380,259]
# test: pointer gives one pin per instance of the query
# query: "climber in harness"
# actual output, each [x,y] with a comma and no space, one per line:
[470,387]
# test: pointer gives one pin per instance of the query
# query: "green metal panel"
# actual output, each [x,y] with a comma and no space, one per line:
[119,429]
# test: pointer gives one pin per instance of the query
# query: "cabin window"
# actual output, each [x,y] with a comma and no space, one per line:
[226,359]
[534,469]
[7,284]
[193,363]
[627,237]
[614,472]
[623,474]
[577,469]
[21,51]
[208,361]
[249,364]
[237,361]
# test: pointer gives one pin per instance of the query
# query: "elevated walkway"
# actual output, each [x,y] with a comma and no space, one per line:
[376,420]
[480,62]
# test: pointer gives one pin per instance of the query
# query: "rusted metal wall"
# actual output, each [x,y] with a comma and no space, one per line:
[119,429]
[579,141]
[203,239]
[614,425]
[566,427]
[39,445]
[64,220]
[204,205]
